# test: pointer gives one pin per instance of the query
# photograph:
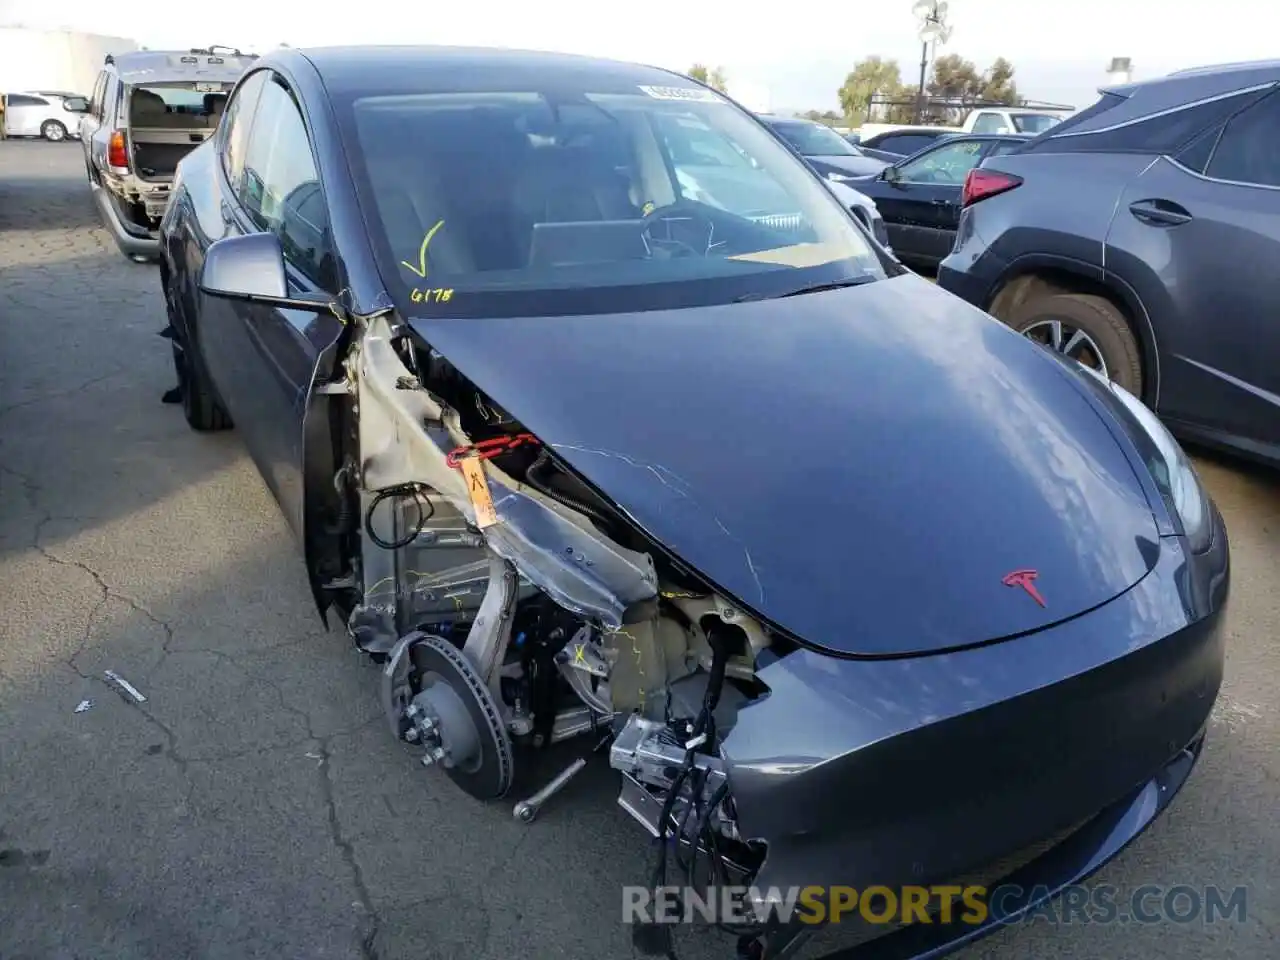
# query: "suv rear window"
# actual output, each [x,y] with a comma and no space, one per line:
[1163,133]
[1104,103]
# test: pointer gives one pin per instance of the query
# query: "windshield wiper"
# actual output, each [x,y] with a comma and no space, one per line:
[811,288]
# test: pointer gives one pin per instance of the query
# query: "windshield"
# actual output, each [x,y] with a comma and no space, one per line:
[526,203]
[815,140]
[1035,122]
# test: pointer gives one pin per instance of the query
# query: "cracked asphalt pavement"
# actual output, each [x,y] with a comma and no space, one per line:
[254,805]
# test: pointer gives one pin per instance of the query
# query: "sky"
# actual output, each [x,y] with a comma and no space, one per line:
[1060,50]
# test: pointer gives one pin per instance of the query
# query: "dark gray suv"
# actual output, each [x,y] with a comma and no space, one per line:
[1142,237]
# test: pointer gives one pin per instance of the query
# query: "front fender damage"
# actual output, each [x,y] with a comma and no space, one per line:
[405,436]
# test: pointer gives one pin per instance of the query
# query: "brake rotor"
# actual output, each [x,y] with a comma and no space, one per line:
[465,722]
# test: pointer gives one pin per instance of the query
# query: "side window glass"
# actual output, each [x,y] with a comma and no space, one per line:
[1164,133]
[1195,156]
[988,123]
[109,97]
[947,165]
[236,121]
[99,91]
[281,188]
[1248,149]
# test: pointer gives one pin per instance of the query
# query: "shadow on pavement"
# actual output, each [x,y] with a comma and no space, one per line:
[34,193]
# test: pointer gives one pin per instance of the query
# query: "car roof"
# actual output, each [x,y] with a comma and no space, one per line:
[167,66]
[1022,111]
[1186,87]
[915,131]
[352,72]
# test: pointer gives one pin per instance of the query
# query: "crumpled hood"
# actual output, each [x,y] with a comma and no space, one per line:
[864,468]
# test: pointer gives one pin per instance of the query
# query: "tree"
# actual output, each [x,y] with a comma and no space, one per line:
[954,78]
[872,81]
[715,77]
[957,79]
[997,83]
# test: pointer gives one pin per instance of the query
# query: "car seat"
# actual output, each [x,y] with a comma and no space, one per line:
[460,166]
[568,185]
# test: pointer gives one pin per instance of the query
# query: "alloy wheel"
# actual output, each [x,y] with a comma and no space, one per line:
[1061,337]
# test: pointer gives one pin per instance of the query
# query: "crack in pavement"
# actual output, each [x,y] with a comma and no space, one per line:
[369,940]
[58,394]
[346,849]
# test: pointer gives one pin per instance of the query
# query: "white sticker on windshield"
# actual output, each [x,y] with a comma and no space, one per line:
[696,94]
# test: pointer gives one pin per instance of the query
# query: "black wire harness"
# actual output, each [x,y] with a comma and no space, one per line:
[653,938]
[418,491]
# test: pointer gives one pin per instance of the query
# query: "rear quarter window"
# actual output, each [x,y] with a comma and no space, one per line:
[1163,133]
[1248,151]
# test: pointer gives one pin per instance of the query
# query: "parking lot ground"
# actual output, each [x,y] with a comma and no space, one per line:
[254,805]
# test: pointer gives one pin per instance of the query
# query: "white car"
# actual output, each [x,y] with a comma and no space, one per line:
[39,115]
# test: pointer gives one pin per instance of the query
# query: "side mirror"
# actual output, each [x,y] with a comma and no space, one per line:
[76,105]
[890,174]
[250,269]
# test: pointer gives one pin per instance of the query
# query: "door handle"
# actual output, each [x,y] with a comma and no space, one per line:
[1159,213]
[227,216]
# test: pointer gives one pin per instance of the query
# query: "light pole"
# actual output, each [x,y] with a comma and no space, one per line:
[934,29]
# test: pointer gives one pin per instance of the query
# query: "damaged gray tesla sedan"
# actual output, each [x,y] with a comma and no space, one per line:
[862,587]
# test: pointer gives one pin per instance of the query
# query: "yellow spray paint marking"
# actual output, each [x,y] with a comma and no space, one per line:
[421,268]
[580,655]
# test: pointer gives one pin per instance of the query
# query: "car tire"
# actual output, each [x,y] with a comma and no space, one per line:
[53,130]
[201,408]
[1089,328]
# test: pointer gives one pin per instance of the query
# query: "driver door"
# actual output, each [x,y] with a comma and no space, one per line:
[262,358]
[921,208]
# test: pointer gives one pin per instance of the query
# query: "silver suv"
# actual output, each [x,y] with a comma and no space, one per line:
[149,109]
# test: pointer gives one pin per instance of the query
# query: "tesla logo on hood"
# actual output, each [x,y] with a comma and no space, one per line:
[1026,580]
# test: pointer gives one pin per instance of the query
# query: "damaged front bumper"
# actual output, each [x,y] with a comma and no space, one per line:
[917,771]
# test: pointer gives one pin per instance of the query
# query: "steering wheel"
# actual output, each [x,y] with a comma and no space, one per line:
[681,217]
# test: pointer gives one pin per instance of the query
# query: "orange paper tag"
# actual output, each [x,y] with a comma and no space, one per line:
[478,491]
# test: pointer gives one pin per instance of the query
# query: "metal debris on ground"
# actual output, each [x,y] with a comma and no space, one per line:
[83,705]
[124,685]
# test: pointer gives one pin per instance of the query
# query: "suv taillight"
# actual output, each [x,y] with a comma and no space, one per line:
[980,184]
[117,155]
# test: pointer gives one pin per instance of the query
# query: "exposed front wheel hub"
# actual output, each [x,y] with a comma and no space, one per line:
[434,698]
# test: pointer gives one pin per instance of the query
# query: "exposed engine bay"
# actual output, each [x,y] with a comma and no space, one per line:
[512,606]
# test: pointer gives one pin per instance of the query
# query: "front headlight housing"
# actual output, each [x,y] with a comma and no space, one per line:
[1171,469]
